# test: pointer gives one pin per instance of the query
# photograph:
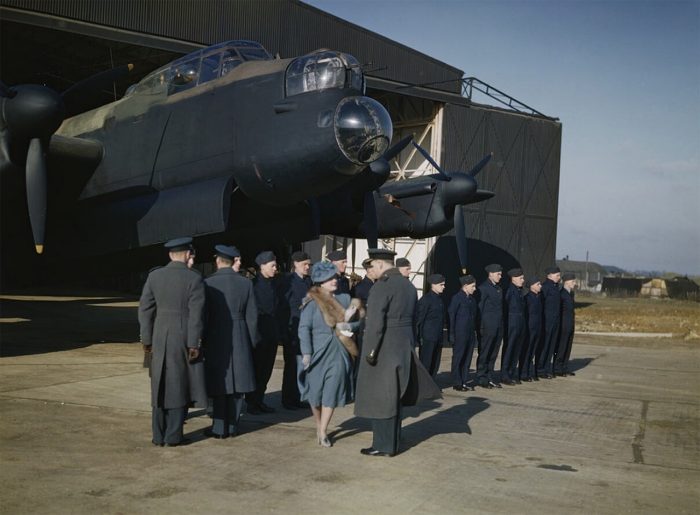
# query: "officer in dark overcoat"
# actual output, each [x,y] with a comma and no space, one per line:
[533,300]
[490,326]
[515,327]
[340,259]
[462,323]
[268,299]
[396,377]
[430,321]
[566,333]
[296,286]
[551,313]
[230,334]
[171,309]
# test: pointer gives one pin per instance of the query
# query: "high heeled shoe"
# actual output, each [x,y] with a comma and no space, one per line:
[325,442]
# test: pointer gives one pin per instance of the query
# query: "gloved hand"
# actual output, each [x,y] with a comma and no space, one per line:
[192,353]
[350,312]
[343,327]
[306,360]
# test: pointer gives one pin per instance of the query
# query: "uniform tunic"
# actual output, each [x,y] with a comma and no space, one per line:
[430,320]
[566,334]
[295,289]
[462,320]
[398,378]
[534,335]
[361,290]
[551,302]
[490,328]
[515,332]
[230,333]
[343,284]
[328,379]
[170,315]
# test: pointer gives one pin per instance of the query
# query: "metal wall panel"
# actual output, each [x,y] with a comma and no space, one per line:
[285,26]
[520,222]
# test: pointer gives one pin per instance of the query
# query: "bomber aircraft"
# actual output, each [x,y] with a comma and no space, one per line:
[227,140]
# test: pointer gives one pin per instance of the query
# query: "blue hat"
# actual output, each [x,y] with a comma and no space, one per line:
[323,271]
[493,268]
[337,255]
[265,257]
[533,280]
[515,272]
[179,244]
[227,252]
[300,256]
[552,270]
[436,278]
[568,276]
[467,279]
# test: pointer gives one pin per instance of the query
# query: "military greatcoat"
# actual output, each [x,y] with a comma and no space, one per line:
[230,333]
[170,315]
[398,375]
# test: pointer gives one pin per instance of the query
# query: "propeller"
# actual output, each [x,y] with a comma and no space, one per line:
[381,168]
[30,114]
[465,181]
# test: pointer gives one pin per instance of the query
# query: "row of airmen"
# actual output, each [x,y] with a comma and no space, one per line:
[534,321]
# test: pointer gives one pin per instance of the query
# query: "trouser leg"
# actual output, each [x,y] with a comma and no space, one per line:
[290,390]
[173,425]
[459,351]
[235,408]
[437,357]
[493,353]
[158,425]
[427,353]
[264,361]
[220,418]
[482,361]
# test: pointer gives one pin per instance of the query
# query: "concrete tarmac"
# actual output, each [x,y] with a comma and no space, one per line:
[622,436]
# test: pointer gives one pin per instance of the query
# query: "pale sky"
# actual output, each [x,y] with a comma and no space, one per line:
[624,78]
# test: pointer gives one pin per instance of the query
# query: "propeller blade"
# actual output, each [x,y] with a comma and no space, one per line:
[474,171]
[461,238]
[396,149]
[36,191]
[425,154]
[369,220]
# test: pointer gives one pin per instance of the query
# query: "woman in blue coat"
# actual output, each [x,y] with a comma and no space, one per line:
[327,348]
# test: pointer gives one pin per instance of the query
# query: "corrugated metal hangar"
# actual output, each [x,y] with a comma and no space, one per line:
[58,42]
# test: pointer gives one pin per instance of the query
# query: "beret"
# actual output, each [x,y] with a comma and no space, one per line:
[552,270]
[568,276]
[436,278]
[226,251]
[403,262]
[179,244]
[494,267]
[337,255]
[515,272]
[265,257]
[300,255]
[323,271]
[467,279]
[533,280]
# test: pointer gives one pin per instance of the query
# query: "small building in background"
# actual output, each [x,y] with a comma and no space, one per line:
[588,274]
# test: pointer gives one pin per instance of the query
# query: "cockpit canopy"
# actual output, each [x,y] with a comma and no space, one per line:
[199,67]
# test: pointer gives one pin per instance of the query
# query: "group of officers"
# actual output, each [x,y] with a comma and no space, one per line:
[216,338]
[533,320]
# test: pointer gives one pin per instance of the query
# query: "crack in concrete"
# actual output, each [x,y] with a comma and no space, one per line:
[638,442]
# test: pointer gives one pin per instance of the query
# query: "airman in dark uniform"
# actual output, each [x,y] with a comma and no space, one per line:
[490,326]
[170,315]
[268,300]
[297,284]
[566,333]
[430,321]
[393,376]
[462,322]
[340,259]
[361,289]
[533,300]
[515,328]
[404,266]
[230,335]
[551,301]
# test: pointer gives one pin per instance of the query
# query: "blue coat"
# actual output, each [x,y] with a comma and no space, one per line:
[534,313]
[230,333]
[361,290]
[430,317]
[551,301]
[296,288]
[328,379]
[516,307]
[490,307]
[567,310]
[343,284]
[462,317]
[268,299]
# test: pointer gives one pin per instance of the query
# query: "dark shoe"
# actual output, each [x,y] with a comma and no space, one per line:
[212,434]
[517,381]
[265,408]
[184,441]
[546,376]
[535,378]
[371,451]
[495,385]
[253,409]
[508,382]
[571,373]
[485,385]
[157,444]
[467,387]
[460,388]
[527,379]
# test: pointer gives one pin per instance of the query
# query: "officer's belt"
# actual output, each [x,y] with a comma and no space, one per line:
[399,322]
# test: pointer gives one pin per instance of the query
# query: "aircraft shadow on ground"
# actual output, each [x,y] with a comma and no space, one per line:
[57,325]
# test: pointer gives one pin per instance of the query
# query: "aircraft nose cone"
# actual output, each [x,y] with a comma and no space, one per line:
[363,129]
[459,189]
[35,111]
